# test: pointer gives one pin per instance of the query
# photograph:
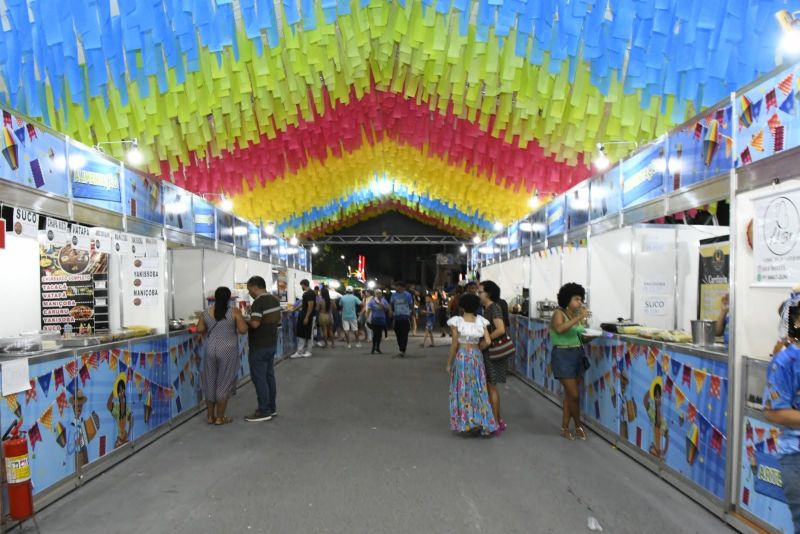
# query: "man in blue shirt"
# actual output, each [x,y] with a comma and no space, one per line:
[782,407]
[402,306]
[350,305]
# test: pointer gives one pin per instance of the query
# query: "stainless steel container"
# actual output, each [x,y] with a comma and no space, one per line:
[703,333]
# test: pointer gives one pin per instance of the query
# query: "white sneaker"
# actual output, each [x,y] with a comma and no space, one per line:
[358,345]
[320,344]
[305,355]
[296,355]
[349,346]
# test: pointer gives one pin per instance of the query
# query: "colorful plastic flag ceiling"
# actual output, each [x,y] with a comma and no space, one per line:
[296,107]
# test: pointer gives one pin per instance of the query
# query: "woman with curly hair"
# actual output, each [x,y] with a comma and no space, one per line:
[496,370]
[566,326]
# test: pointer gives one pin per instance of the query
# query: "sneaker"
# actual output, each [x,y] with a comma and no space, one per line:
[296,355]
[306,354]
[358,346]
[349,346]
[274,414]
[257,417]
[320,344]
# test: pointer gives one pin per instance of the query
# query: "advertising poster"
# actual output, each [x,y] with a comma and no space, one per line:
[700,150]
[69,270]
[95,179]
[50,413]
[143,197]
[776,230]
[177,207]
[282,284]
[32,156]
[760,480]
[578,206]
[253,238]
[605,194]
[225,222]
[204,221]
[643,173]
[556,216]
[713,276]
[767,123]
[513,236]
[674,408]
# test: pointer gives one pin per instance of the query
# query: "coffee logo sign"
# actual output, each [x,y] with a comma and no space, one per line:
[781,226]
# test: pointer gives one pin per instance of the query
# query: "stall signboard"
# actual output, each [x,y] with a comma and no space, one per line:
[513,236]
[240,233]
[776,237]
[225,222]
[143,197]
[556,216]
[578,206]
[69,268]
[204,220]
[25,223]
[283,250]
[714,275]
[177,207]
[539,226]
[268,244]
[95,178]
[605,194]
[643,173]
[253,238]
[760,477]
[700,149]
[143,268]
[767,122]
[525,233]
[32,156]
[303,259]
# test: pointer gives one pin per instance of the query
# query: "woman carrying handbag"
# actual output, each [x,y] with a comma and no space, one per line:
[495,355]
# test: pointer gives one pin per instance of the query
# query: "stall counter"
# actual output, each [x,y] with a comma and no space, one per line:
[666,401]
[89,402]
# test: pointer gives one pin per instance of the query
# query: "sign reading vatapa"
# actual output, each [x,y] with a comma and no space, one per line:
[775,239]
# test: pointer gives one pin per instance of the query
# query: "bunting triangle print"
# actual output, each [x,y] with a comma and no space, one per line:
[757,141]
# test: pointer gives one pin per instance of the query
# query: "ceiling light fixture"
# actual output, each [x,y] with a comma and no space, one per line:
[314,249]
[790,26]
[463,249]
[476,239]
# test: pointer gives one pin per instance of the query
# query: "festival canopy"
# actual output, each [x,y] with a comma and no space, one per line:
[309,113]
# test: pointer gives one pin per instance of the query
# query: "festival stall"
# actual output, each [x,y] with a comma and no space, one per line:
[101,262]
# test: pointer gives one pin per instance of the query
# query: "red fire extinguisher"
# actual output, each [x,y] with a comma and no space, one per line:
[18,473]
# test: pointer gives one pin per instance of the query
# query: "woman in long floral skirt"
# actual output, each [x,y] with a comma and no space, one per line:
[469,402]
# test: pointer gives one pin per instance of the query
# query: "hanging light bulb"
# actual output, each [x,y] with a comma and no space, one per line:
[498,226]
[314,249]
[134,155]
[463,249]
[476,239]
[601,161]
[533,202]
[294,241]
[270,228]
[226,204]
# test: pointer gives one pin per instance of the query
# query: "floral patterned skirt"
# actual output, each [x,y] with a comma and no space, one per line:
[469,402]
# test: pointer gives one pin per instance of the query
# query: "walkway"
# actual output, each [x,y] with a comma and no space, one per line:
[362,446]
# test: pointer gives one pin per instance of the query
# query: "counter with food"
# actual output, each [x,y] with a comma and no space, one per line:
[663,402]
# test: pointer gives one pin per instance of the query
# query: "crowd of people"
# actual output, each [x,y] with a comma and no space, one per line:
[474,316]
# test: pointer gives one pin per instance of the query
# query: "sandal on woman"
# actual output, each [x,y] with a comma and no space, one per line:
[580,433]
[211,420]
[223,420]
[566,434]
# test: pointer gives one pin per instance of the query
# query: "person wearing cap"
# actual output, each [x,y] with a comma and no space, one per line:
[350,305]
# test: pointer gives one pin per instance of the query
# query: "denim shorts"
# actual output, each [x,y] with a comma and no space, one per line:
[567,362]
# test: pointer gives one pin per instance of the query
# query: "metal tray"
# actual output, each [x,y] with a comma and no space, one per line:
[83,341]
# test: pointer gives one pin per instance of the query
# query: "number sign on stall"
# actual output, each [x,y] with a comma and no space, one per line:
[775,239]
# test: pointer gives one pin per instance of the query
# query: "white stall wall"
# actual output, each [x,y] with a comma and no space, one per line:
[187,268]
[757,307]
[610,276]
[545,275]
[293,277]
[219,271]
[654,276]
[689,269]
[576,266]
[20,286]
[511,276]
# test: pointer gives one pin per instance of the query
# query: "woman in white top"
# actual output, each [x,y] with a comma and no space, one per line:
[470,410]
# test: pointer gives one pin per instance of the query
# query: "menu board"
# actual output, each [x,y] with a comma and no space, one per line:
[95,179]
[143,197]
[177,207]
[32,156]
[204,221]
[70,267]
[713,276]
[143,272]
